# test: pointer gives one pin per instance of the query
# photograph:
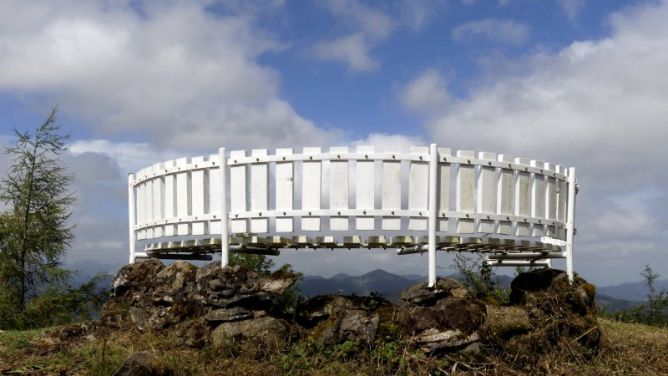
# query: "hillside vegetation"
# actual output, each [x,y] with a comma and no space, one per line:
[627,349]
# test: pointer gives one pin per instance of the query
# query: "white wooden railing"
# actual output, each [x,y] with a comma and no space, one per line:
[518,211]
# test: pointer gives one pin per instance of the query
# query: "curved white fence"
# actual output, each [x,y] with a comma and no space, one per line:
[517,210]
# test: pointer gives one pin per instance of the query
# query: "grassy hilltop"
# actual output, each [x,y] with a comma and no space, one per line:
[627,349]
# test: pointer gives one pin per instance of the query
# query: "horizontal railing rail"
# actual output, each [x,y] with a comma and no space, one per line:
[424,191]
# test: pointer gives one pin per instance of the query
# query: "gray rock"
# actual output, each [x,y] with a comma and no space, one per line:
[228,314]
[432,340]
[421,294]
[358,325]
[138,317]
[266,327]
[176,276]
[277,283]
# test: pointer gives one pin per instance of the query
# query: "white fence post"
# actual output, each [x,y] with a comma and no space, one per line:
[433,207]
[224,225]
[132,220]
[570,225]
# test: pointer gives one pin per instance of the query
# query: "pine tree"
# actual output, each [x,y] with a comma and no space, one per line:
[34,230]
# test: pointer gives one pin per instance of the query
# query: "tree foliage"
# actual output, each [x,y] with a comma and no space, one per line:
[654,311]
[34,229]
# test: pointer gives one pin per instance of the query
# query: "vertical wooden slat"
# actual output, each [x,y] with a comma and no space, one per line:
[148,204]
[506,195]
[199,192]
[444,187]
[141,207]
[551,200]
[465,195]
[311,189]
[562,202]
[418,188]
[284,191]
[170,199]
[259,200]
[364,192]
[237,192]
[215,195]
[183,196]
[538,198]
[158,199]
[338,187]
[487,192]
[391,193]
[523,197]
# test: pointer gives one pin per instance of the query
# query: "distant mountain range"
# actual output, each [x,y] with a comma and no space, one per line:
[390,286]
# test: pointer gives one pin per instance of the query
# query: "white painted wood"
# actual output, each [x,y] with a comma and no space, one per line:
[199,190]
[570,222]
[465,194]
[238,202]
[418,188]
[364,189]
[338,188]
[224,212]
[158,199]
[141,209]
[391,193]
[538,188]
[132,217]
[183,196]
[170,199]
[487,192]
[523,198]
[311,189]
[433,211]
[551,200]
[259,198]
[147,214]
[215,195]
[506,195]
[562,202]
[444,168]
[284,191]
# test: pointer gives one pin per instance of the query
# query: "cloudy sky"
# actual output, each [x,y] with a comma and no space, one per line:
[575,82]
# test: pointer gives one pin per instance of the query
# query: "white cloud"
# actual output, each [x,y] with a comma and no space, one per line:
[571,7]
[493,29]
[368,26]
[598,105]
[373,23]
[170,72]
[128,156]
[352,50]
[426,94]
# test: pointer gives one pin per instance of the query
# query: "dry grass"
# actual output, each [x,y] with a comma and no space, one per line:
[627,349]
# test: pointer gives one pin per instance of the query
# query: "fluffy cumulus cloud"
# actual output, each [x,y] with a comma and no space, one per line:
[367,26]
[426,94]
[492,29]
[599,105]
[171,72]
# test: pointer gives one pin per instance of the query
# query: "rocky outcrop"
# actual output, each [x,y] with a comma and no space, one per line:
[213,305]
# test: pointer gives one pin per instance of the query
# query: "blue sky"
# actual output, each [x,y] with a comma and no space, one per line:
[574,82]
